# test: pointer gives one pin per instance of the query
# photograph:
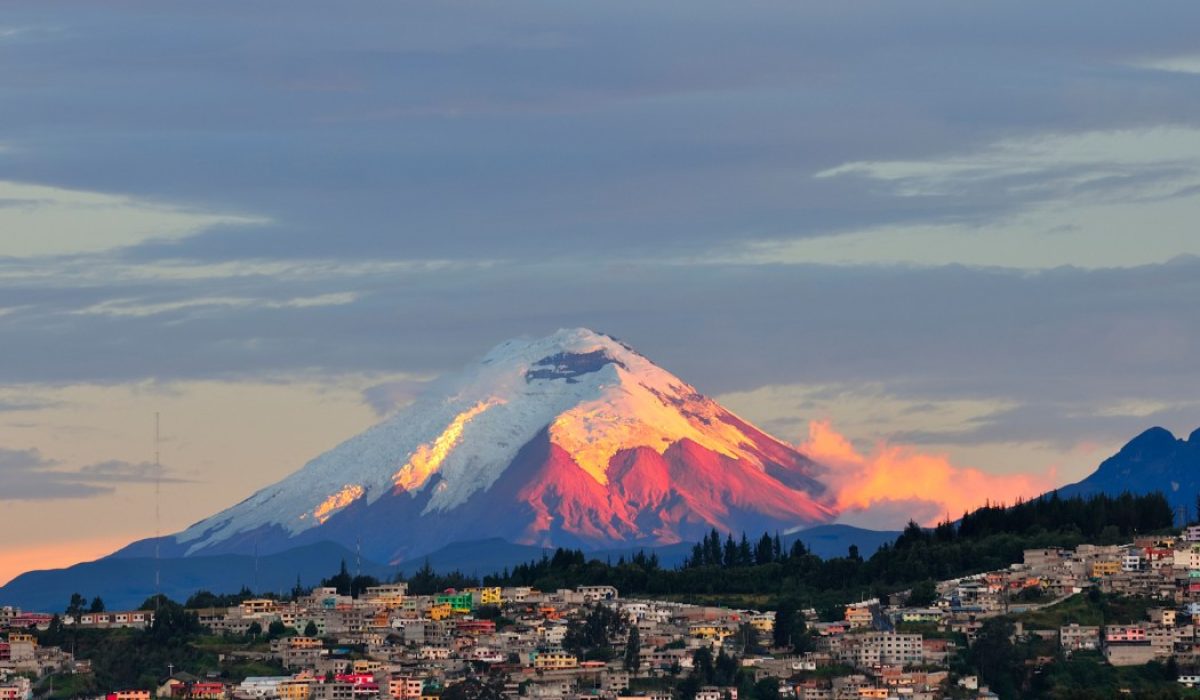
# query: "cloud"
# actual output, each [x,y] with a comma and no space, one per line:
[899,480]
[386,397]
[22,404]
[27,475]
[115,471]
[133,307]
[46,220]
[526,133]
[1186,63]
[1040,202]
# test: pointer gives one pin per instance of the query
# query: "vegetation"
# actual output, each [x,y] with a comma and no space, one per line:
[723,670]
[735,572]
[1033,668]
[591,637]
[131,658]
[633,648]
[347,584]
[1091,609]
[764,574]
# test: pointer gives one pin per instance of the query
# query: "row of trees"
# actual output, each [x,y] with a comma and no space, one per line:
[78,605]
[991,537]
[710,552]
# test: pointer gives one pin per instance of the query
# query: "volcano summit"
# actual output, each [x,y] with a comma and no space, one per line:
[573,439]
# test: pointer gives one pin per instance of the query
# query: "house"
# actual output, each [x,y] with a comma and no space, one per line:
[405,687]
[175,686]
[552,660]
[1075,637]
[595,594]
[17,688]
[859,616]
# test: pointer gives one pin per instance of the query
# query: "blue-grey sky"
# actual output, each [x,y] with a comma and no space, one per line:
[968,227]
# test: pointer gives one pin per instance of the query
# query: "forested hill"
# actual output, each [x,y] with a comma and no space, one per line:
[762,571]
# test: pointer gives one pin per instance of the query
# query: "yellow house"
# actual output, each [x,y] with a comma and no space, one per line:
[555,660]
[765,624]
[294,690]
[258,606]
[441,611]
[709,631]
[859,616]
[490,595]
[366,666]
[1105,568]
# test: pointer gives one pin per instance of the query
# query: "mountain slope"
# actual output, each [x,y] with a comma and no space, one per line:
[1153,461]
[569,440]
[124,583]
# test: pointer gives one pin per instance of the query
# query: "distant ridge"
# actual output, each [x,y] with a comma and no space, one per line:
[1153,461]
[126,581]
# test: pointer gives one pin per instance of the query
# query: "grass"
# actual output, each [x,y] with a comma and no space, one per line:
[1083,610]
[68,685]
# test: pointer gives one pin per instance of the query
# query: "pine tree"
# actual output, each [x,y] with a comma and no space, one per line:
[730,556]
[764,553]
[633,650]
[785,624]
[75,607]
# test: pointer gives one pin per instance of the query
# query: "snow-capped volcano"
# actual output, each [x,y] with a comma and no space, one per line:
[572,439]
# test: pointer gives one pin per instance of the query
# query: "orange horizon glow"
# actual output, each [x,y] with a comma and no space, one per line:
[902,473]
[56,555]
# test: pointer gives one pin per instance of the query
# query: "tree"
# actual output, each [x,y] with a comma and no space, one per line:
[764,553]
[75,607]
[310,630]
[730,556]
[745,555]
[155,602]
[591,634]
[702,665]
[767,689]
[785,623]
[724,669]
[633,650]
[172,623]
[343,582]
[996,658]
[923,594]
[748,633]
[276,629]
[97,605]
[473,689]
[254,630]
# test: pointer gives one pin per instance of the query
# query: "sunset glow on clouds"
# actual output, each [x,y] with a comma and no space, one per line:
[894,478]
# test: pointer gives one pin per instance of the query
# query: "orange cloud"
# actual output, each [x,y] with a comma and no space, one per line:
[928,485]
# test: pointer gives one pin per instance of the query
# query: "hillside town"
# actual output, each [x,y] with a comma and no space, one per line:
[589,642]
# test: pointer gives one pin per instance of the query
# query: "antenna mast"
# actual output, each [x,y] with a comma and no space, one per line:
[157,515]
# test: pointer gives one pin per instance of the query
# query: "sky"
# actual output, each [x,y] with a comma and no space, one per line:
[918,236]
